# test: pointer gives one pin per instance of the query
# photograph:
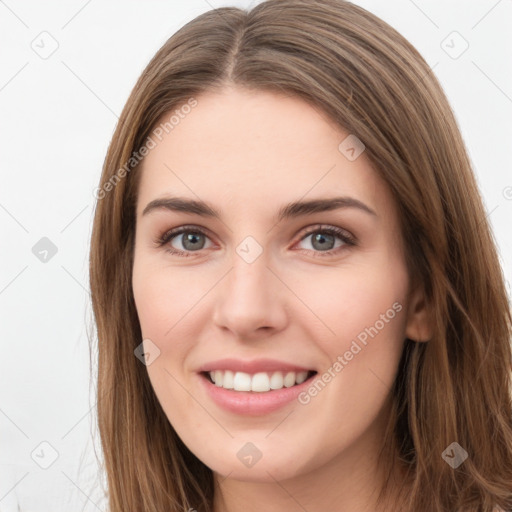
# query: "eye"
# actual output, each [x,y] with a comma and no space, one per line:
[191,238]
[324,240]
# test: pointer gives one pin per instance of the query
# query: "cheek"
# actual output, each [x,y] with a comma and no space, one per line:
[372,300]
[362,310]
[365,307]
[164,298]
[168,303]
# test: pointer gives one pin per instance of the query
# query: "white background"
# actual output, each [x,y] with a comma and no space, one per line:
[56,119]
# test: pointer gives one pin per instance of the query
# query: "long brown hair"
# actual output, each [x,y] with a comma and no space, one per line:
[457,387]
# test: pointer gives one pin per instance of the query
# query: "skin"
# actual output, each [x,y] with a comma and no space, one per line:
[247,154]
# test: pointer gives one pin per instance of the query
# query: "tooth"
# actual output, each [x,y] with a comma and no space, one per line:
[289,379]
[227,383]
[242,382]
[276,381]
[301,377]
[218,378]
[260,382]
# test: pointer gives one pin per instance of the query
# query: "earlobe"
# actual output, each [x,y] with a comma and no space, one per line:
[419,322]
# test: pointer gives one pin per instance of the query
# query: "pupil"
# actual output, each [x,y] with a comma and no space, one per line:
[191,238]
[322,240]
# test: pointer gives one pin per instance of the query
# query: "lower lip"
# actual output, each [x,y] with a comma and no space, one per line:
[253,403]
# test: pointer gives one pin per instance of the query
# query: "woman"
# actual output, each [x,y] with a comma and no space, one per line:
[298,298]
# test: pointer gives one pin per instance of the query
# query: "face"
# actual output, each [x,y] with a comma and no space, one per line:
[298,313]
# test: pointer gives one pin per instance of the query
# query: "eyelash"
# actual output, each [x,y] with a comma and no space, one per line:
[347,239]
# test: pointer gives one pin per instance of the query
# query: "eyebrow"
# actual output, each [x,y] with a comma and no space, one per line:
[291,210]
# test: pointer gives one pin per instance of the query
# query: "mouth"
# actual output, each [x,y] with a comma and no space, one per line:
[254,387]
[260,382]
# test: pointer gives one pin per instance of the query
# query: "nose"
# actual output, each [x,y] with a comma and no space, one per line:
[250,300]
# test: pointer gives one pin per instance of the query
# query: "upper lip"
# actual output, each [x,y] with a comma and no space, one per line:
[253,366]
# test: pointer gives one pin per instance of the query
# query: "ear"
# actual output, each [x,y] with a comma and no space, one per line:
[419,325]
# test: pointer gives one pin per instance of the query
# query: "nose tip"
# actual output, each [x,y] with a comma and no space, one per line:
[249,302]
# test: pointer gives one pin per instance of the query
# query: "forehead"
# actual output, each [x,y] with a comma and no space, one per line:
[238,144]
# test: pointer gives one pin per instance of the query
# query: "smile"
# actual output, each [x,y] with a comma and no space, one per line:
[260,382]
[254,394]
